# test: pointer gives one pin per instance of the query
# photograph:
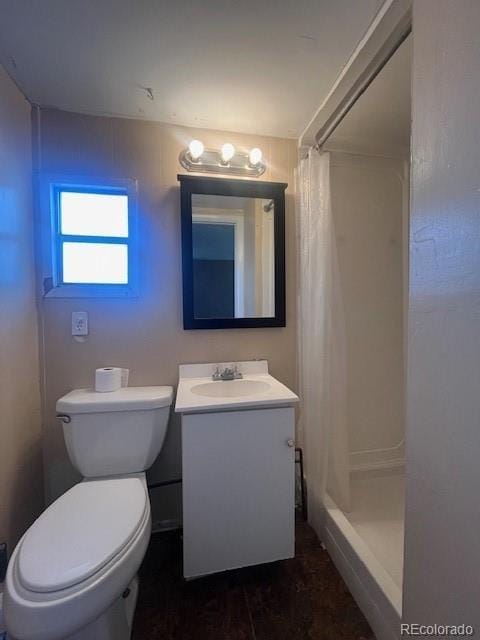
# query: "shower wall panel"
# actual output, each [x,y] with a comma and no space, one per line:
[370,208]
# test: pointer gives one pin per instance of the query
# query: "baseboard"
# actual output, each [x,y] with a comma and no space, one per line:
[3,631]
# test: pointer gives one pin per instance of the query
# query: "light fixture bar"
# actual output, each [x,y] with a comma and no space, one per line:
[211,161]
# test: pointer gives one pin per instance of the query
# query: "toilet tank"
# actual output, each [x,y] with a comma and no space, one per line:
[114,433]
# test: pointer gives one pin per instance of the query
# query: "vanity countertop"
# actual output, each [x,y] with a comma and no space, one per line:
[198,393]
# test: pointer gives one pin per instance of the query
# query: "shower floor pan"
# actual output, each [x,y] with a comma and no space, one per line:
[366,546]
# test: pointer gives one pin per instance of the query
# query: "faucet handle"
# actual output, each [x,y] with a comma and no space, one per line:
[216,374]
[236,373]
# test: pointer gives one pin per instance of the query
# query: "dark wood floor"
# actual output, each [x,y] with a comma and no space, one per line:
[300,599]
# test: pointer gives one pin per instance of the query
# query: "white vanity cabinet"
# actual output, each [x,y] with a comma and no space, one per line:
[238,488]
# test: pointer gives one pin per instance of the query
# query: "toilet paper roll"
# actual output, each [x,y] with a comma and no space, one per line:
[125,374]
[108,379]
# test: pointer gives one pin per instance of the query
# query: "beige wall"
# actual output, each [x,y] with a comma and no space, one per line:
[146,334]
[21,495]
[442,550]
[368,209]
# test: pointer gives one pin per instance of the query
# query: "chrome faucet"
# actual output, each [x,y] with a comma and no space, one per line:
[229,373]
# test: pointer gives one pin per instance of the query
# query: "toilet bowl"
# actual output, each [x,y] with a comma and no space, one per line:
[72,576]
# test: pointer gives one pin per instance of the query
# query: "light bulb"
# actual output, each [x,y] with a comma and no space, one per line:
[228,151]
[255,156]
[196,149]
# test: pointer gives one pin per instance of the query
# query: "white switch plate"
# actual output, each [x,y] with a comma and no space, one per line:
[79,323]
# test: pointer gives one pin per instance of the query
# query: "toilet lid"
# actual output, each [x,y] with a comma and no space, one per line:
[80,532]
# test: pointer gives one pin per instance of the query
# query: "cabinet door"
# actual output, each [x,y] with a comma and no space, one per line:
[238,489]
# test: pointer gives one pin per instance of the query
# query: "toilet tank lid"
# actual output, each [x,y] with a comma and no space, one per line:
[125,399]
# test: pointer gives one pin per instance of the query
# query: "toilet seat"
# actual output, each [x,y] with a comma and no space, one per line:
[80,533]
[47,613]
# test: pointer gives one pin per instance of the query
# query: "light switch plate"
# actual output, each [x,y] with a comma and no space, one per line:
[79,323]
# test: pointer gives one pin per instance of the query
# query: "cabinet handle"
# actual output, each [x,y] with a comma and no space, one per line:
[290,442]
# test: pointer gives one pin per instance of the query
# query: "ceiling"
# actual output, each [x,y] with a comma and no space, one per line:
[237,65]
[380,121]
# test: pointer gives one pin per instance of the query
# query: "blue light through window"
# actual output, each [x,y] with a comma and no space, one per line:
[94,214]
[95,263]
[92,236]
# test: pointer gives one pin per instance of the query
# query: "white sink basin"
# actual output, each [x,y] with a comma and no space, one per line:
[198,393]
[230,388]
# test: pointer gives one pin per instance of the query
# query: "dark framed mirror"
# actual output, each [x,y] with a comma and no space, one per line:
[233,253]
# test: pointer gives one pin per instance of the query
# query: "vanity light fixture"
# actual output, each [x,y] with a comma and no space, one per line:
[196,149]
[227,161]
[255,156]
[227,152]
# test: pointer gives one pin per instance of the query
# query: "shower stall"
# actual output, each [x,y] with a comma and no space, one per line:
[353,280]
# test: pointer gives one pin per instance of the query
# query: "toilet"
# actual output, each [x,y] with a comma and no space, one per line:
[72,576]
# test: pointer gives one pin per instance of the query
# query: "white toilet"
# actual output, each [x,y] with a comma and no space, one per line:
[72,576]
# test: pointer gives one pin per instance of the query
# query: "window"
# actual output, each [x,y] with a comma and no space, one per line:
[94,251]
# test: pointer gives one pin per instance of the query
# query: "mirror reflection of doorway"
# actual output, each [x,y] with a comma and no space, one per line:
[214,269]
[233,257]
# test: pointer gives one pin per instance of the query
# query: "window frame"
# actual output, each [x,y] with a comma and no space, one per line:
[53,286]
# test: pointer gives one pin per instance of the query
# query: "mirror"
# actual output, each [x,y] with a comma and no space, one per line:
[233,253]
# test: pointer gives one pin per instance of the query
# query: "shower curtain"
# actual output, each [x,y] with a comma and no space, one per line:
[322,343]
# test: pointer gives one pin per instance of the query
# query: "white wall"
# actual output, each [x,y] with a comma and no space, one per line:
[368,200]
[21,481]
[442,552]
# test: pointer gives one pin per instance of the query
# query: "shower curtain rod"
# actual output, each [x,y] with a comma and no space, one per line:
[390,27]
[330,127]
